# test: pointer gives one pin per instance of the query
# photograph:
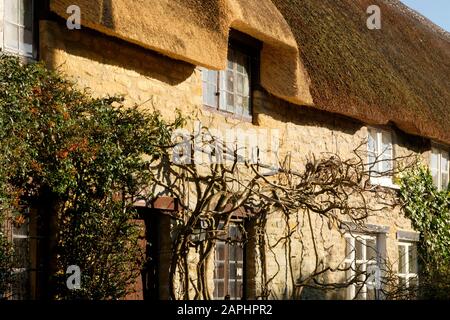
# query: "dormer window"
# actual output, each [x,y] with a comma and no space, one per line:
[18,36]
[229,91]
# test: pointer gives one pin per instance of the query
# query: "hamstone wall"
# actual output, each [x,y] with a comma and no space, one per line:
[110,66]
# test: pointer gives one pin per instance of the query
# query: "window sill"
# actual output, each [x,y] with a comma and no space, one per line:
[228,114]
[23,58]
[385,183]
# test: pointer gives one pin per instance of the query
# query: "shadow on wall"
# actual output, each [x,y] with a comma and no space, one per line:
[95,46]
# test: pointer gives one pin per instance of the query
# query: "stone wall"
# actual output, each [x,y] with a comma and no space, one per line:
[110,66]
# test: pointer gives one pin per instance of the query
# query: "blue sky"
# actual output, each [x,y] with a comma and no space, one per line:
[437,11]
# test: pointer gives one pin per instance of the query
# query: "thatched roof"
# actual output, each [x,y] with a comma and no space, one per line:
[197,31]
[399,74]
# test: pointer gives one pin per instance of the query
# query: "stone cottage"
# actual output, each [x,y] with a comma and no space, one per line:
[311,69]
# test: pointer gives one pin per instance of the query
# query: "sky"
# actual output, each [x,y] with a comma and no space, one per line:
[437,11]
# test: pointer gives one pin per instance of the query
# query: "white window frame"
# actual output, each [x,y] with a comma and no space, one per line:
[440,152]
[377,168]
[4,19]
[407,275]
[364,263]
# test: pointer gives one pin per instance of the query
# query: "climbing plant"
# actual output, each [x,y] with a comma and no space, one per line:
[78,161]
[429,210]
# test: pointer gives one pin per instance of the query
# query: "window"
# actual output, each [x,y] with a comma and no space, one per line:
[18,27]
[440,168]
[380,159]
[407,264]
[229,265]
[361,263]
[229,90]
[21,264]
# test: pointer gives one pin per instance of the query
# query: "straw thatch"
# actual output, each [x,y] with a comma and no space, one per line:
[197,31]
[398,74]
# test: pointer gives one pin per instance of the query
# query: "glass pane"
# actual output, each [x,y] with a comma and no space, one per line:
[232,255]
[21,255]
[386,149]
[444,180]
[239,271]
[232,274]
[402,282]
[359,249]
[239,253]
[434,163]
[435,175]
[230,81]
[219,289]
[26,41]
[241,61]
[372,141]
[220,251]
[212,77]
[413,282]
[240,84]
[232,289]
[11,35]
[219,270]
[444,161]
[230,102]
[26,13]
[12,10]
[21,229]
[349,247]
[401,259]
[246,107]
[371,247]
[412,259]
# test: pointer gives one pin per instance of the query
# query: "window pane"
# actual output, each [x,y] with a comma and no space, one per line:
[444,161]
[21,255]
[220,251]
[230,102]
[240,84]
[11,35]
[372,141]
[413,282]
[220,270]
[349,247]
[219,289]
[444,180]
[359,249]
[26,41]
[412,259]
[386,149]
[26,13]
[401,259]
[434,163]
[371,247]
[230,81]
[232,289]
[12,10]
[444,170]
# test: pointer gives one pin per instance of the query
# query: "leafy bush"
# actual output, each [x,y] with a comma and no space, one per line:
[82,157]
[429,210]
